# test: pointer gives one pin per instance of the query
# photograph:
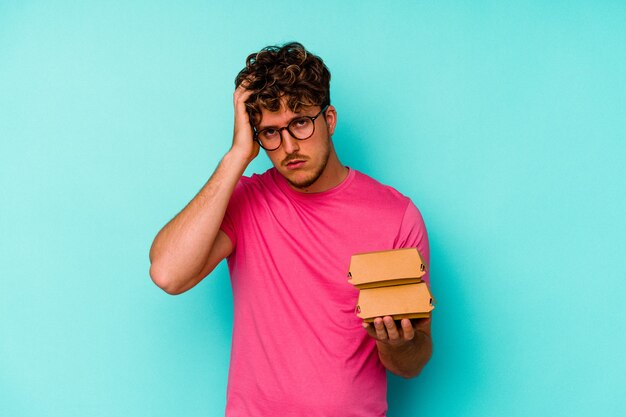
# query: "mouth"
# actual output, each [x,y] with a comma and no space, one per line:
[294,163]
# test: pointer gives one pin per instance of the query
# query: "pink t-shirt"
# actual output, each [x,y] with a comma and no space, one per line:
[298,348]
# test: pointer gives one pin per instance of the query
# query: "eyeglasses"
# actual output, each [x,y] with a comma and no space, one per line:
[300,128]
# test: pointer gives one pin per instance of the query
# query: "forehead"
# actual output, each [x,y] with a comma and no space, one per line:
[282,116]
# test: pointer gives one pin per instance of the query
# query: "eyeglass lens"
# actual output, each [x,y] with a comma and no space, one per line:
[300,128]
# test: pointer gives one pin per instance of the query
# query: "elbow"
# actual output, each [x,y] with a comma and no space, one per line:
[410,374]
[164,280]
[426,352]
[423,360]
[407,375]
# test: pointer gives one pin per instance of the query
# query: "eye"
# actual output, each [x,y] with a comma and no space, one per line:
[302,122]
[269,133]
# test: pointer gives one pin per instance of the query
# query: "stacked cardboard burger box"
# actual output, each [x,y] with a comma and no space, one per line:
[390,284]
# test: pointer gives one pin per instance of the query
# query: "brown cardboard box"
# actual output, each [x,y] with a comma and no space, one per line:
[399,301]
[390,284]
[383,268]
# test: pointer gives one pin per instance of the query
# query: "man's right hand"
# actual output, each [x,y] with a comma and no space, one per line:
[244,144]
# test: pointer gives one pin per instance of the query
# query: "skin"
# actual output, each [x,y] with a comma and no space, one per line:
[310,165]
[403,350]
[191,245]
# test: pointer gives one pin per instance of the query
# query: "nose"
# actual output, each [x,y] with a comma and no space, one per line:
[290,144]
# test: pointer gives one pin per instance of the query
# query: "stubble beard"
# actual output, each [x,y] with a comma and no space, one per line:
[307,182]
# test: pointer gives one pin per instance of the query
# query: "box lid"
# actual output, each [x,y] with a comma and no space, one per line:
[390,267]
[399,301]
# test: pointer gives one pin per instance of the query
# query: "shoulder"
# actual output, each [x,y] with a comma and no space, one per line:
[375,190]
[257,183]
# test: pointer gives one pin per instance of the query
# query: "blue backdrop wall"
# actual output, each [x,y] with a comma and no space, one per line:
[504,123]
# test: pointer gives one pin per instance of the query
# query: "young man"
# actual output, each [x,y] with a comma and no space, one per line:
[298,348]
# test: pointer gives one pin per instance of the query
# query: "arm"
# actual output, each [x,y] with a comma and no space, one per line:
[403,351]
[191,245]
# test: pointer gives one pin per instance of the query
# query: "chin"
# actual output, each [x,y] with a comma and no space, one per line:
[301,179]
[305,183]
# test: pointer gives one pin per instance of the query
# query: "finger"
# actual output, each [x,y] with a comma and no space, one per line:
[240,97]
[392,330]
[242,118]
[369,327]
[381,333]
[242,92]
[407,329]
[245,83]
[422,325]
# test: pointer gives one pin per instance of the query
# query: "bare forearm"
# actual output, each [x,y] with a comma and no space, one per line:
[408,359]
[180,250]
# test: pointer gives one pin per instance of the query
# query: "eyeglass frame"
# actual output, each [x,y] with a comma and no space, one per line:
[280,129]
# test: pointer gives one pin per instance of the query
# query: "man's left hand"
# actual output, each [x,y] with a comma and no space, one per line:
[384,330]
[404,349]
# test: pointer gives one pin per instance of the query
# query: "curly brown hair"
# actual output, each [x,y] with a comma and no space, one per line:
[289,73]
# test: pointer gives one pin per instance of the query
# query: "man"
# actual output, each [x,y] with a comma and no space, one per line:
[298,348]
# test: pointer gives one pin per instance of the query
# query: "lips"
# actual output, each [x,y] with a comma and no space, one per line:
[294,163]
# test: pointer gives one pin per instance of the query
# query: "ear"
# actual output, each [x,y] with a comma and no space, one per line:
[331,119]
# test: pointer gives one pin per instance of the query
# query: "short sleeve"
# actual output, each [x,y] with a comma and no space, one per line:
[412,234]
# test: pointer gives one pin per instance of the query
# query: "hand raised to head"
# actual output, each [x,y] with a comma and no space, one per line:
[243,134]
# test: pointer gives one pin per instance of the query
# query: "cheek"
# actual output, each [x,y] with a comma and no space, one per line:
[323,148]
[274,157]
[316,148]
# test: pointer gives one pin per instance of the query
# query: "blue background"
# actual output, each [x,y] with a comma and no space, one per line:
[504,123]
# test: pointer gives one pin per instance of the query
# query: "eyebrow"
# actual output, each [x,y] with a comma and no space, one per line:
[261,127]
